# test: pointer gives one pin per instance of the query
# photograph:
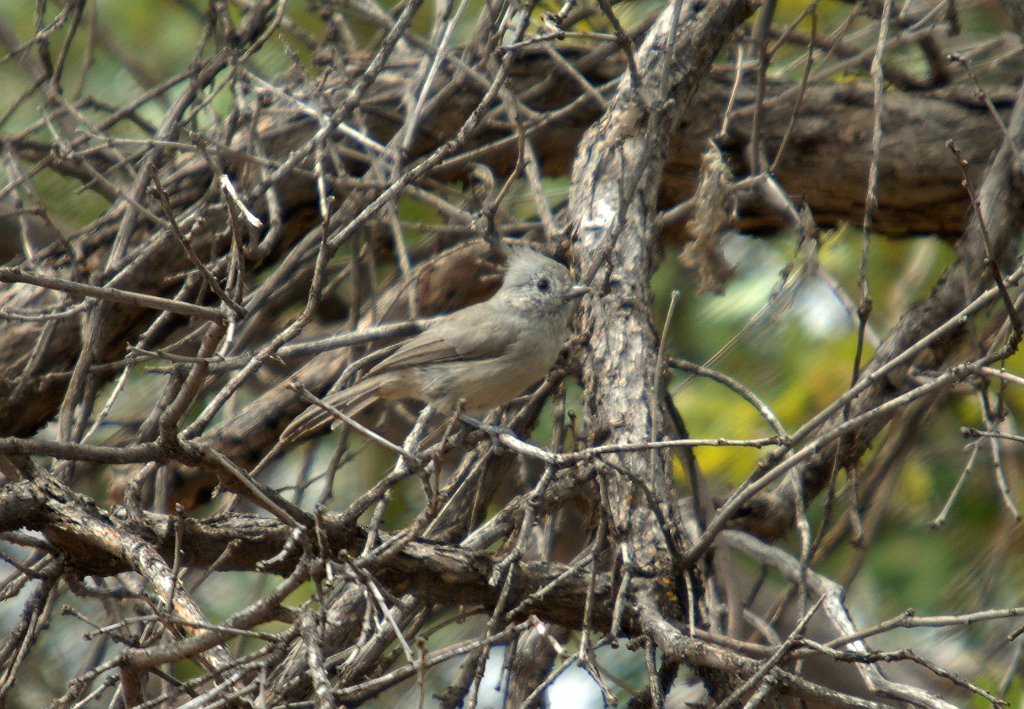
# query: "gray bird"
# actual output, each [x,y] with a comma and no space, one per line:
[484,355]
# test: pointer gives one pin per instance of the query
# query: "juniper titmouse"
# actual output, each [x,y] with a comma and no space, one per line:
[484,355]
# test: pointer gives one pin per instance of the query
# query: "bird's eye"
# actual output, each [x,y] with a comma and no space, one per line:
[543,285]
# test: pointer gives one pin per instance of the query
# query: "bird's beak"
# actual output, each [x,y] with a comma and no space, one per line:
[576,292]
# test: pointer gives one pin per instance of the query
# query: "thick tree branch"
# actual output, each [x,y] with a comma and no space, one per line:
[992,239]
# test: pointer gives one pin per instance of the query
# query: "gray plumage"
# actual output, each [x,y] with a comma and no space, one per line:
[484,355]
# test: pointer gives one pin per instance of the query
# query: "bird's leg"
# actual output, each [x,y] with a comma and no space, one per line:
[494,431]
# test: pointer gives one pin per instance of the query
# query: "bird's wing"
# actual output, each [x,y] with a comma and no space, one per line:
[461,337]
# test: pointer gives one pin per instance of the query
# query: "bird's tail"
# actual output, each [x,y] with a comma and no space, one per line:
[350,401]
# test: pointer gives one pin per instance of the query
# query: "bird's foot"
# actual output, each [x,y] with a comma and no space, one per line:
[494,431]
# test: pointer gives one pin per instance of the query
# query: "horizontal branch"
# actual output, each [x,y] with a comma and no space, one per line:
[244,542]
[114,295]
